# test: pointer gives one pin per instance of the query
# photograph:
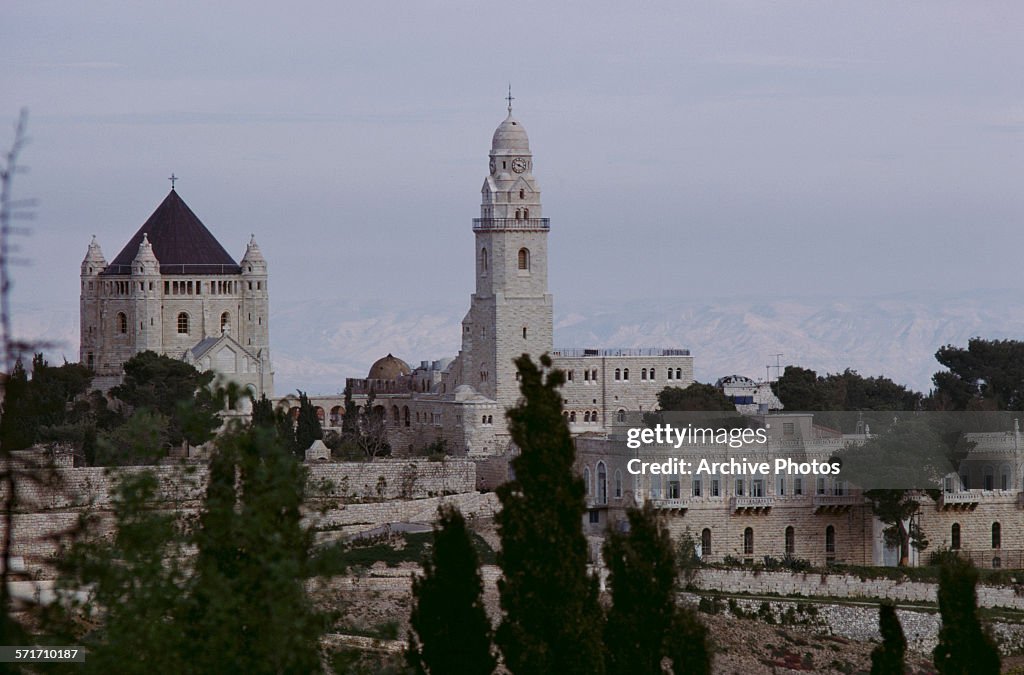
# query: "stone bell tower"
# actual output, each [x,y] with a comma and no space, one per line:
[511,311]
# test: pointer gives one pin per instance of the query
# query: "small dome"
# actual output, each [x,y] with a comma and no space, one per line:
[388,368]
[510,136]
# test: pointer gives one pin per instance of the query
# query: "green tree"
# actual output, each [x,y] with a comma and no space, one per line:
[248,610]
[803,389]
[689,645]
[240,606]
[16,432]
[177,391]
[895,468]
[552,622]
[263,413]
[988,374]
[307,427]
[136,583]
[350,419]
[887,658]
[965,647]
[642,579]
[451,631]
[696,397]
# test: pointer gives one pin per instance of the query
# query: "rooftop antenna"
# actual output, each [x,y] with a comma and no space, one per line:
[510,98]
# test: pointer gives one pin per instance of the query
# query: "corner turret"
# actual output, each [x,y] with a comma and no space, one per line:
[94,262]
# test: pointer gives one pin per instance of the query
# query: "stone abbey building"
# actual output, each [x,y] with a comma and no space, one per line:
[174,290]
[463,400]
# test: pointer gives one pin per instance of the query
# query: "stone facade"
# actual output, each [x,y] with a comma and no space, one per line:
[463,400]
[177,294]
[817,518]
[342,498]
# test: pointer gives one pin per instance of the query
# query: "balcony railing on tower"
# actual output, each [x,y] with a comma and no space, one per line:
[528,224]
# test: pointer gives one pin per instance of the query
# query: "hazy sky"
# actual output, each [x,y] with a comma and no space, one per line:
[684,150]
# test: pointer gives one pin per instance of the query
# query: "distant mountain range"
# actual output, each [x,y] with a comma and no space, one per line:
[318,343]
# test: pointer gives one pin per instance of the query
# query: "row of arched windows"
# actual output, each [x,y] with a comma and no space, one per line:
[600,491]
[183,322]
[956,541]
[522,260]
[588,416]
[648,374]
[789,538]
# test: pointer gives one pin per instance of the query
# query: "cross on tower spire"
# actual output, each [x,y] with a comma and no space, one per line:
[172,179]
[510,98]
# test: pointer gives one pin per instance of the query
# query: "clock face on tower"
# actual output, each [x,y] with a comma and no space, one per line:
[519,165]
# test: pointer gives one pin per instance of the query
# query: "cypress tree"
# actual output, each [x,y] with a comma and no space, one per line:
[248,610]
[887,658]
[642,578]
[552,622]
[964,647]
[451,631]
[688,644]
[307,427]
[263,413]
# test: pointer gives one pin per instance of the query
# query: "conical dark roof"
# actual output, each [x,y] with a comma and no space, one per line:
[180,242]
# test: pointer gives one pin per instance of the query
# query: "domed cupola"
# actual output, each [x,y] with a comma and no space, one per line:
[510,138]
[388,368]
[94,262]
[145,261]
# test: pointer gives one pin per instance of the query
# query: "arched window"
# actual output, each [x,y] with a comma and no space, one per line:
[655,492]
[1004,477]
[519,214]
[625,374]
[572,417]
[320,415]
[405,414]
[524,258]
[586,480]
[954,535]
[225,321]
[990,478]
[483,260]
[618,484]
[748,541]
[586,416]
[122,323]
[618,374]
[602,483]
[997,535]
[705,543]
[522,193]
[670,373]
[526,213]
[395,415]
[679,373]
[182,323]
[643,374]
[790,540]
[621,415]
[830,541]
[652,373]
